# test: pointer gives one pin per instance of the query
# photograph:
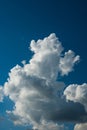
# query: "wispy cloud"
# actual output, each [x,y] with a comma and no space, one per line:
[1,94]
[1,118]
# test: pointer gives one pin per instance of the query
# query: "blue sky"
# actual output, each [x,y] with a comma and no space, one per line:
[24,20]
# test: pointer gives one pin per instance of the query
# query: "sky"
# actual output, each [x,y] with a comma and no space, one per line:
[43,82]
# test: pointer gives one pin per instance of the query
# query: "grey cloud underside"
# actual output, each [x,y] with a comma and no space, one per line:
[36,92]
[71,112]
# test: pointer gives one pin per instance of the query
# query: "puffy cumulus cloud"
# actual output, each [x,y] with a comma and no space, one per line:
[80,126]
[77,93]
[48,59]
[35,99]
[45,61]
[35,90]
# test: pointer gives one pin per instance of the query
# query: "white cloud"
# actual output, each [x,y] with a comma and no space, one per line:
[81,126]
[33,97]
[33,87]
[67,62]
[48,59]
[77,93]
[45,62]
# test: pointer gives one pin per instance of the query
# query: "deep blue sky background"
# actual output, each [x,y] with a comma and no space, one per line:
[24,20]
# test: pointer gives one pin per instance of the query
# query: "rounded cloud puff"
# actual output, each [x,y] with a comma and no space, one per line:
[77,93]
